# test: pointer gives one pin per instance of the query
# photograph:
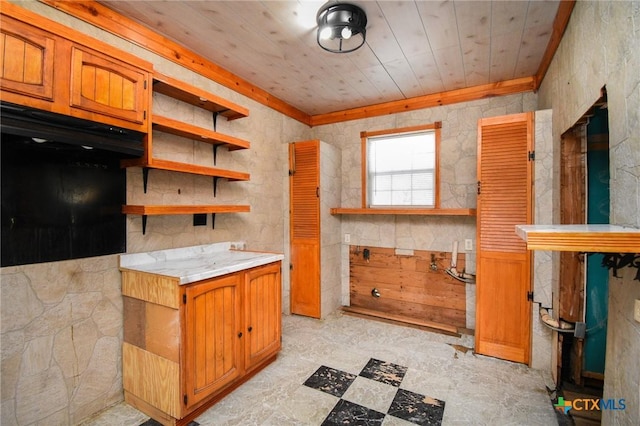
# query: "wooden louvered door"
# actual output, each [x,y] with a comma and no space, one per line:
[505,173]
[304,185]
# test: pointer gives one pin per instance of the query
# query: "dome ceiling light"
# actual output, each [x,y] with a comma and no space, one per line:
[341,27]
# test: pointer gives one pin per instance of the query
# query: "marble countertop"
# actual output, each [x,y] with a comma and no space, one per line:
[195,263]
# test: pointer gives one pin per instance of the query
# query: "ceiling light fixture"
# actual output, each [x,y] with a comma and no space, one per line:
[341,27]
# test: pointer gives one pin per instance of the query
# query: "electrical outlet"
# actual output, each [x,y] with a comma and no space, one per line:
[468,245]
[347,238]
[636,310]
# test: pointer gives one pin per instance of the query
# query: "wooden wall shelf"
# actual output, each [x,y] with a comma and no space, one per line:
[175,166]
[407,212]
[195,210]
[218,106]
[192,95]
[200,134]
[183,209]
[581,238]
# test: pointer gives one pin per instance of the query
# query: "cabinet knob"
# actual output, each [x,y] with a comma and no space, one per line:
[240,334]
[250,328]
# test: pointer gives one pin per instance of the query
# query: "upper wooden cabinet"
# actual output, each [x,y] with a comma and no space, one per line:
[26,62]
[104,85]
[48,66]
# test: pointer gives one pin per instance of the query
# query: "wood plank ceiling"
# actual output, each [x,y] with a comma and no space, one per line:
[413,48]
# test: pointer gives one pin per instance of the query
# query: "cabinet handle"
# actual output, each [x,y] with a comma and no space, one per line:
[240,334]
[250,328]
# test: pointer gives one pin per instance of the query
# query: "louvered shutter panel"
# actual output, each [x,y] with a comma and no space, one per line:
[503,185]
[305,212]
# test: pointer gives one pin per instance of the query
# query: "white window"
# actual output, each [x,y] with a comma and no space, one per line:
[402,167]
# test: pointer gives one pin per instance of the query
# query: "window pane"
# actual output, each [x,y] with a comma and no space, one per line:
[402,169]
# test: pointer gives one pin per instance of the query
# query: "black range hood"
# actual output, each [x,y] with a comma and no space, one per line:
[43,125]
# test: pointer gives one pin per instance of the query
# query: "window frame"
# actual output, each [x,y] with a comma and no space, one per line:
[364,136]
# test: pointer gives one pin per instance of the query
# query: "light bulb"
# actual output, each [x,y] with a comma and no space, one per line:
[325,33]
[346,33]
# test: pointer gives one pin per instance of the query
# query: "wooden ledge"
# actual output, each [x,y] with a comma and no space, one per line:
[399,319]
[189,131]
[195,96]
[183,209]
[406,212]
[581,238]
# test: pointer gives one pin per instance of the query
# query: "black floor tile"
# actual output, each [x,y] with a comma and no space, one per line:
[384,372]
[416,408]
[330,380]
[348,413]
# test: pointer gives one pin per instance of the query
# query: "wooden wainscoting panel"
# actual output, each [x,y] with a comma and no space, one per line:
[407,285]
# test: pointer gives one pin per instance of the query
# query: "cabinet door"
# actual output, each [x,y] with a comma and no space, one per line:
[106,86]
[262,313]
[26,62]
[213,338]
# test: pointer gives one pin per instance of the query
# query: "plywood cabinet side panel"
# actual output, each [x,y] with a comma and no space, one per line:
[162,331]
[134,320]
[151,288]
[152,378]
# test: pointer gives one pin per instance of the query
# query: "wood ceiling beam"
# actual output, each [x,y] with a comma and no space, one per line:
[509,87]
[559,26]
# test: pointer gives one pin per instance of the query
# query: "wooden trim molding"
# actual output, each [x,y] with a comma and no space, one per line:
[121,26]
[559,26]
[436,126]
[509,87]
[110,21]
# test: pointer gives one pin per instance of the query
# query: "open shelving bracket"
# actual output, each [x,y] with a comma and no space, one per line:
[215,120]
[213,221]
[144,224]
[215,154]
[215,185]
[617,261]
[145,178]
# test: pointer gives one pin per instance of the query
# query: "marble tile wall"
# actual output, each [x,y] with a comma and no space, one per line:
[330,190]
[601,46]
[543,266]
[458,154]
[61,339]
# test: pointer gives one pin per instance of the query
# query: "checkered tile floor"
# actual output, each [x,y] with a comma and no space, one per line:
[379,378]
[368,397]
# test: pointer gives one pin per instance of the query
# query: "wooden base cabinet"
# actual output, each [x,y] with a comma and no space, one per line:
[187,346]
